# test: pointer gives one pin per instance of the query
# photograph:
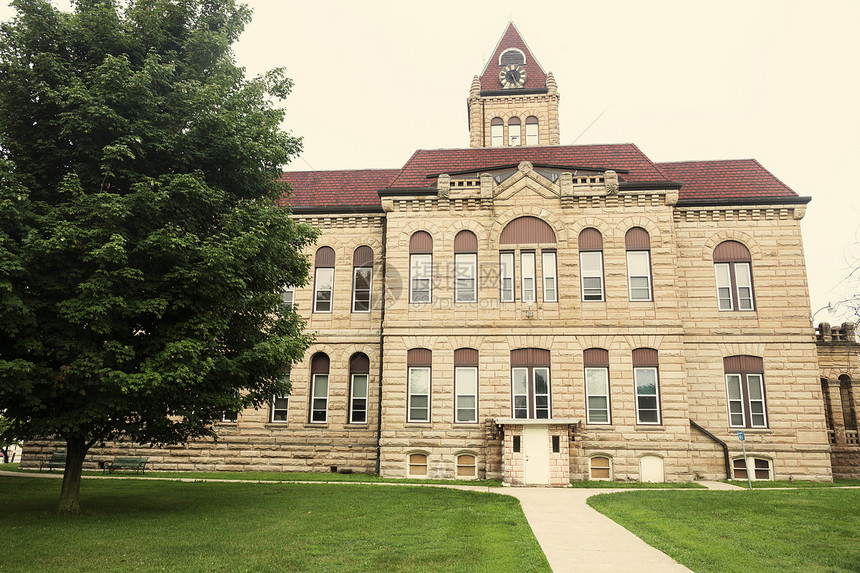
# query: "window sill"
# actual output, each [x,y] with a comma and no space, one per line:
[753,431]
[317,425]
[361,425]
[275,425]
[649,428]
[604,427]
[417,425]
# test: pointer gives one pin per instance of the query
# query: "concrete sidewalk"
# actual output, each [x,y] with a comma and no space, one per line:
[575,537]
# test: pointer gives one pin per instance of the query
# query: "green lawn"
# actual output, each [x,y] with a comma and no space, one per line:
[804,530]
[171,526]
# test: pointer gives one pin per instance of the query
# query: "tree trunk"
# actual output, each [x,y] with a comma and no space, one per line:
[76,450]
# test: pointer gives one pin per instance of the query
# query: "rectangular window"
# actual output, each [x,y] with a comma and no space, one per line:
[556,444]
[734,283]
[527,263]
[647,396]
[497,135]
[506,276]
[465,277]
[746,400]
[541,392]
[530,392]
[513,134]
[597,395]
[466,390]
[358,399]
[419,394]
[288,295]
[361,281]
[324,284]
[755,389]
[531,133]
[591,267]
[229,417]
[520,392]
[279,408]
[744,280]
[516,444]
[319,399]
[548,267]
[724,286]
[639,273]
[421,273]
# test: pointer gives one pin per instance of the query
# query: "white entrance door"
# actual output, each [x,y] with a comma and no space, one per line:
[651,469]
[536,450]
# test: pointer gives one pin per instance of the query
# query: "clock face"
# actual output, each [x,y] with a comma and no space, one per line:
[512,76]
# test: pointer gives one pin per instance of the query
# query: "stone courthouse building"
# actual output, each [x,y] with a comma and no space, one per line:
[536,312]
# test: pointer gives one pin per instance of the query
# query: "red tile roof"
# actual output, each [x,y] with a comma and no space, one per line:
[535,76]
[743,179]
[332,189]
[432,162]
[729,179]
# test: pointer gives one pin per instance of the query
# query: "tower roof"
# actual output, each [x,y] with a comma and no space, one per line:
[511,39]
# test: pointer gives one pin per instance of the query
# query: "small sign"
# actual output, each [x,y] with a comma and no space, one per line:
[741,436]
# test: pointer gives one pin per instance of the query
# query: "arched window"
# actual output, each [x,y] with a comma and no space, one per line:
[591,264]
[762,470]
[521,236]
[467,466]
[647,386]
[359,374]
[417,465]
[531,130]
[319,388]
[420,267]
[745,391]
[530,383]
[600,468]
[733,271]
[466,385]
[362,278]
[497,132]
[638,245]
[323,279]
[514,132]
[418,361]
[512,56]
[280,406]
[596,361]
[465,267]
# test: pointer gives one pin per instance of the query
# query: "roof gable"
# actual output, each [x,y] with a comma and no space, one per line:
[535,75]
[425,164]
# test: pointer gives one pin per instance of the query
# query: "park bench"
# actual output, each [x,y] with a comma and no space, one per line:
[136,464]
[57,460]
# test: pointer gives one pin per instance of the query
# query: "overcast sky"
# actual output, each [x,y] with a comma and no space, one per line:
[772,80]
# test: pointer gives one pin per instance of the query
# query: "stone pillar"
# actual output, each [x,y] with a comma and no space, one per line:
[835,394]
[476,118]
[855,393]
[552,120]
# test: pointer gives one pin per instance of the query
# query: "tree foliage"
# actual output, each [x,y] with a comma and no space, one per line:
[142,249]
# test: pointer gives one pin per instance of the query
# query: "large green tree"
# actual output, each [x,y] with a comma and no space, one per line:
[142,249]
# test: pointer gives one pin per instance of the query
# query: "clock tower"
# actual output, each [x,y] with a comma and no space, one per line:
[514,102]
